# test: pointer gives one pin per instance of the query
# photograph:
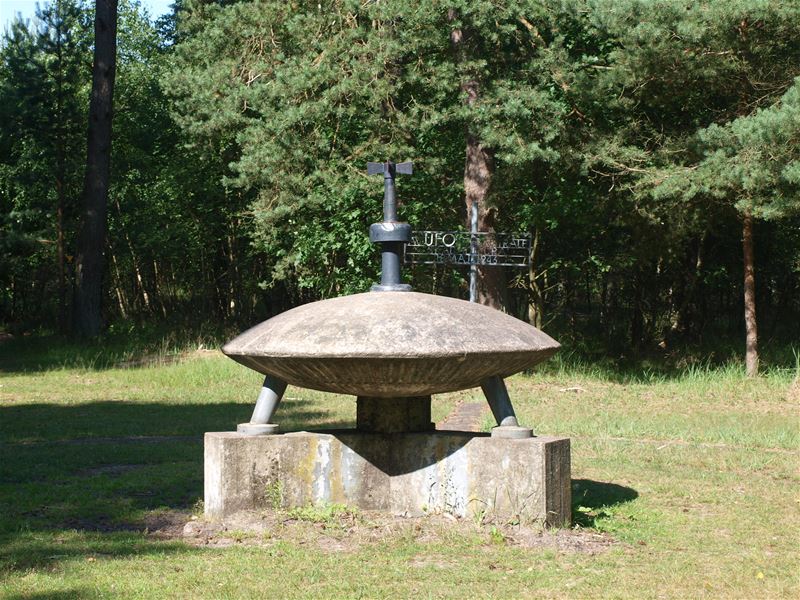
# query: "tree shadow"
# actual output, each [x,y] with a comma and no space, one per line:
[57,423]
[84,479]
[24,552]
[71,594]
[590,499]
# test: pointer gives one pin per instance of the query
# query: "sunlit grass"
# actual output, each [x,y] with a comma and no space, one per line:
[693,474]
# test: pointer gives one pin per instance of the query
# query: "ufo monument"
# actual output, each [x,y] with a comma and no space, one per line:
[391,348]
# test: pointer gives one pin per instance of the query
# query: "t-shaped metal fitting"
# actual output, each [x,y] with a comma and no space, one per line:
[390,234]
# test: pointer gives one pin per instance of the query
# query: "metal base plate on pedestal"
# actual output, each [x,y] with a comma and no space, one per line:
[391,287]
[257,428]
[511,432]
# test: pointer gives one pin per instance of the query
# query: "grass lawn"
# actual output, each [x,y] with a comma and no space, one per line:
[685,485]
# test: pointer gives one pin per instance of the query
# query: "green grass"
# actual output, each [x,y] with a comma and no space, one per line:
[691,477]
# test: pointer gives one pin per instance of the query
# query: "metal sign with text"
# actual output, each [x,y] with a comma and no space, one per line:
[465,248]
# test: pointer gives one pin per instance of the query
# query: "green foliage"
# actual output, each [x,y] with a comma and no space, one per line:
[756,159]
[497,536]
[273,493]
[627,136]
[326,513]
[43,84]
[299,115]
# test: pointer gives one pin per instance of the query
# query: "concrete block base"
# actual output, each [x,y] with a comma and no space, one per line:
[462,473]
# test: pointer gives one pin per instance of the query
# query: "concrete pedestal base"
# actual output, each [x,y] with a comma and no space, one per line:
[461,473]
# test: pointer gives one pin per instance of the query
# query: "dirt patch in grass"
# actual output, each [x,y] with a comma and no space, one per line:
[466,416]
[562,540]
[356,530]
[168,524]
[252,528]
[793,394]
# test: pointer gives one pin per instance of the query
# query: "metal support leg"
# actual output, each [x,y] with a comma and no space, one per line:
[266,405]
[494,388]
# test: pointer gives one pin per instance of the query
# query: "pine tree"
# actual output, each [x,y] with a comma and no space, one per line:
[42,87]
[753,162]
[296,116]
[90,263]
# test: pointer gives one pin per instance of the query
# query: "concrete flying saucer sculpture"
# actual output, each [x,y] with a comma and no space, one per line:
[390,347]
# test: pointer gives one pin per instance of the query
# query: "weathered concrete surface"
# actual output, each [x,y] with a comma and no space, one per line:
[461,473]
[390,345]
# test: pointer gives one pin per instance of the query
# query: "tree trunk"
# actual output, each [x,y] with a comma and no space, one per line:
[233,273]
[142,291]
[121,299]
[684,310]
[61,171]
[751,356]
[478,172]
[158,292]
[90,263]
[535,299]
[62,270]
[637,316]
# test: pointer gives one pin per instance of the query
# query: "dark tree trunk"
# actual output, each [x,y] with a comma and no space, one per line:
[119,290]
[90,264]
[637,317]
[62,271]
[478,172]
[61,170]
[685,317]
[751,356]
[535,297]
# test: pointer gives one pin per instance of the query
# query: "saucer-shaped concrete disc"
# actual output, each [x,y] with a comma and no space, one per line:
[391,344]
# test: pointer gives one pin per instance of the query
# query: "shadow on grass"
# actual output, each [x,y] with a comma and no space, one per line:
[71,594]
[590,498]
[50,422]
[86,480]
[23,552]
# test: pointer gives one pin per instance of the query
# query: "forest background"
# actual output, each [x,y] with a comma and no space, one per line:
[650,148]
